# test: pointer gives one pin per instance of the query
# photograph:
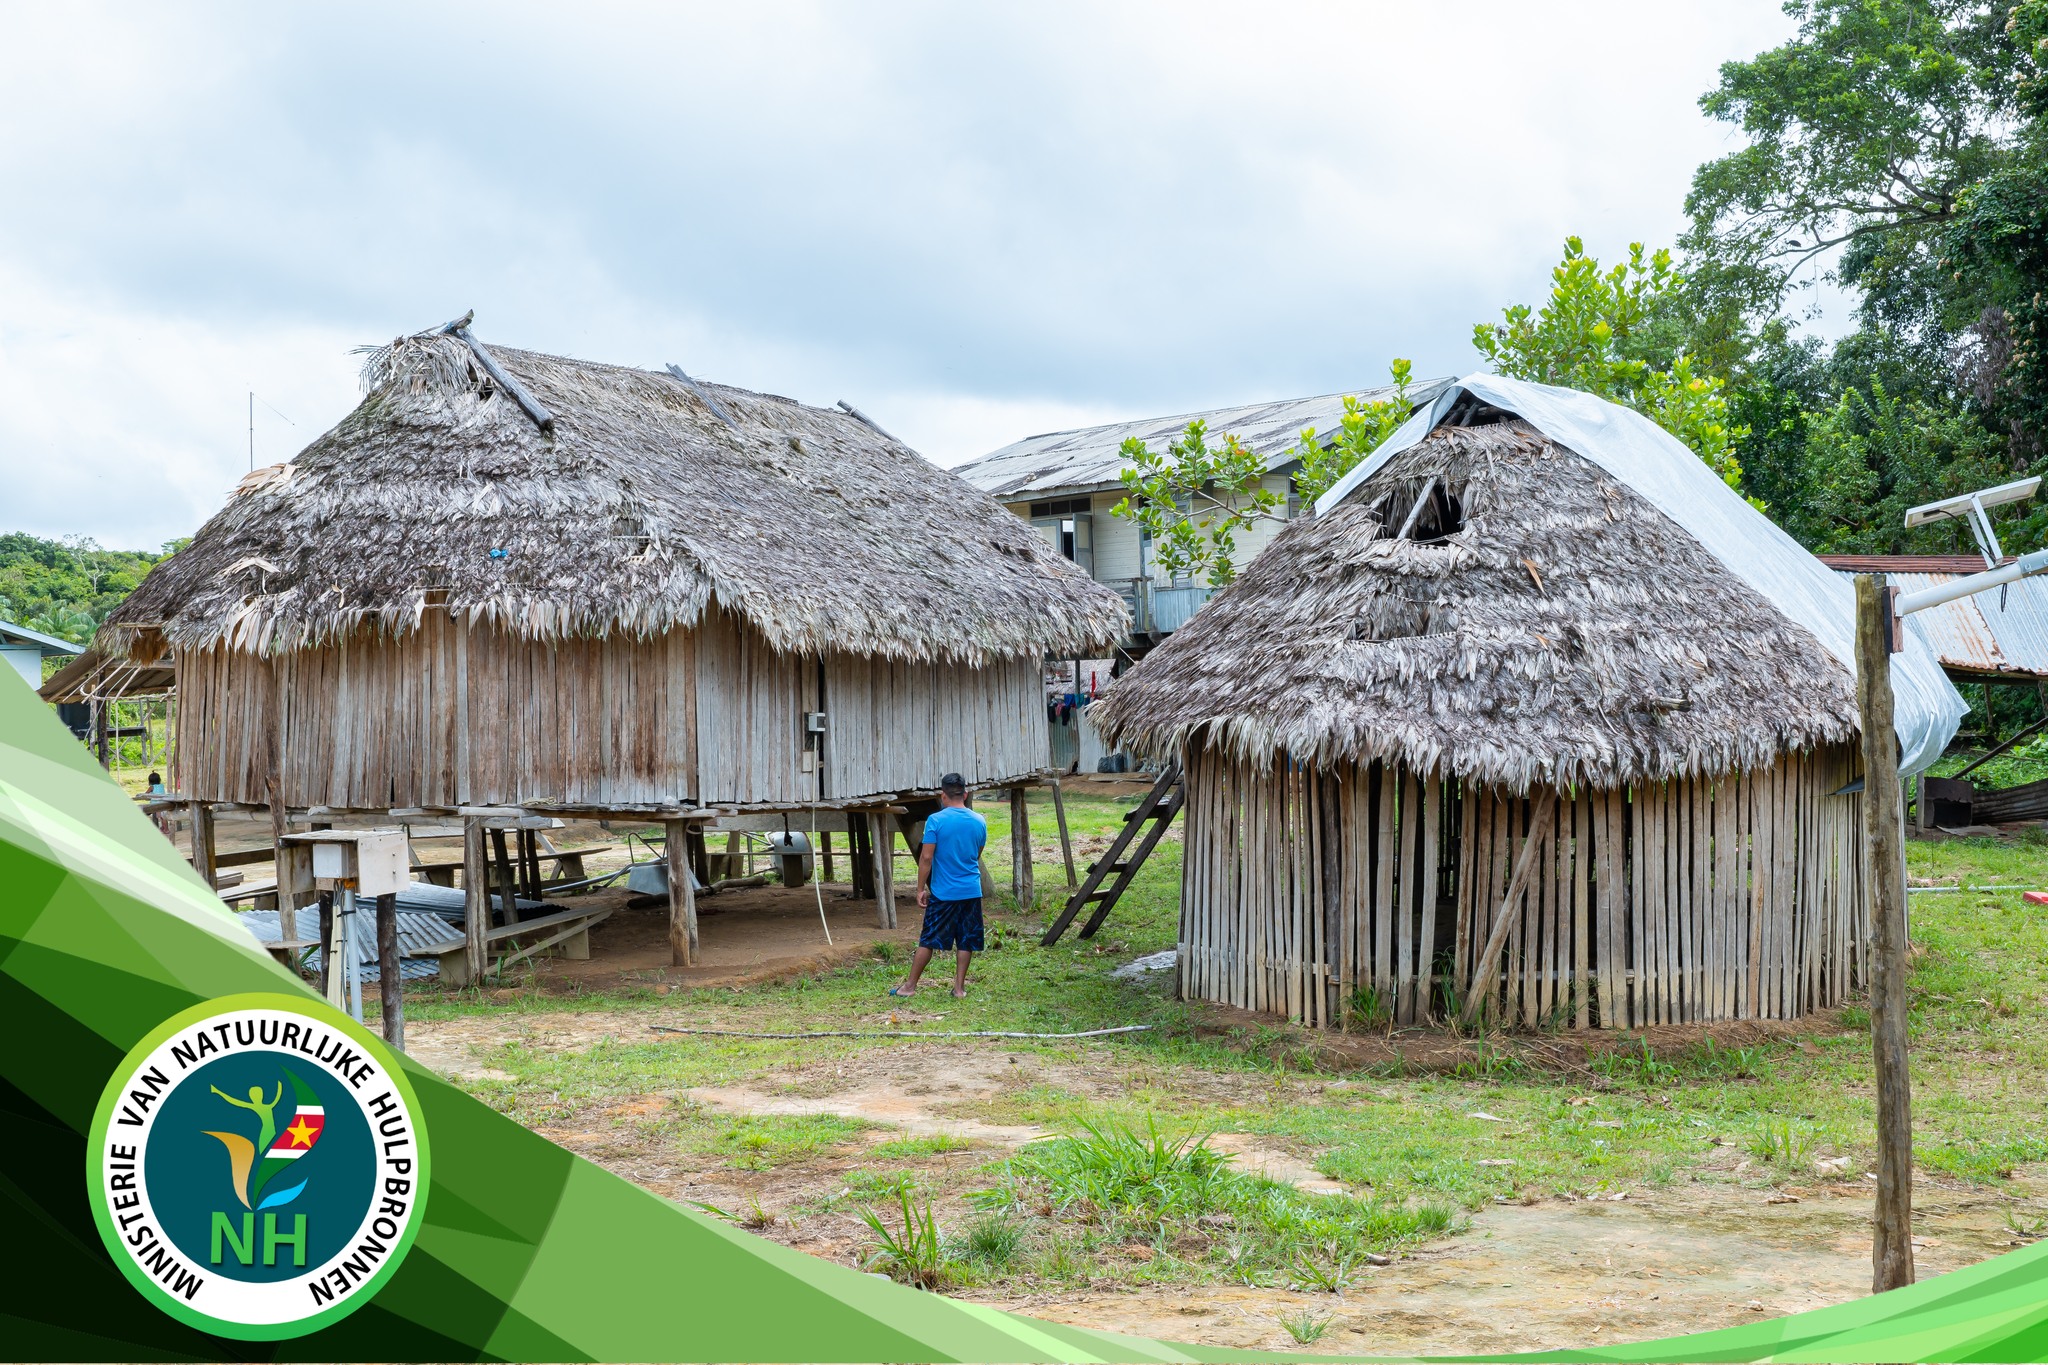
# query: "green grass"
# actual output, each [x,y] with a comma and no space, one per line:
[764,1141]
[902,1149]
[1397,1141]
[1107,1186]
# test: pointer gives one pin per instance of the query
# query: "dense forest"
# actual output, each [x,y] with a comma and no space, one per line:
[66,587]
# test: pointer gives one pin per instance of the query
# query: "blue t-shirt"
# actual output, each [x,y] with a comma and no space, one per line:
[956,836]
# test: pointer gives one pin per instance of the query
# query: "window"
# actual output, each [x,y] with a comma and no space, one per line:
[1072,537]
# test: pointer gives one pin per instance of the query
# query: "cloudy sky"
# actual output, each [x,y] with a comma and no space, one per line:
[973,222]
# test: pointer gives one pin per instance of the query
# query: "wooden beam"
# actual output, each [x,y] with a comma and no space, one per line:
[1021,888]
[882,855]
[682,895]
[476,906]
[1483,971]
[1059,812]
[1891,1250]
[201,816]
[390,981]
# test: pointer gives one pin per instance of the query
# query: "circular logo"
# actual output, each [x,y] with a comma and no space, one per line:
[258,1168]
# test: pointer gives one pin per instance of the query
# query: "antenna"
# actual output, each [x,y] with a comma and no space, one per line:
[1970,506]
[252,431]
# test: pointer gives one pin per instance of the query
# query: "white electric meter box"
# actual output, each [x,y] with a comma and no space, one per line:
[376,860]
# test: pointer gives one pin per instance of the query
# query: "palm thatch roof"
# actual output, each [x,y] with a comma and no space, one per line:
[1568,632]
[646,499]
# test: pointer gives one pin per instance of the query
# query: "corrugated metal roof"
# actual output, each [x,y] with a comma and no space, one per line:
[417,932]
[2004,630]
[1090,458]
[49,644]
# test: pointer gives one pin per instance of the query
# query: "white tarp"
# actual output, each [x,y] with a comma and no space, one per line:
[1678,483]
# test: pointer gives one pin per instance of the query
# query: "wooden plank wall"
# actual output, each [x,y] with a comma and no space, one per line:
[899,726]
[446,716]
[1687,901]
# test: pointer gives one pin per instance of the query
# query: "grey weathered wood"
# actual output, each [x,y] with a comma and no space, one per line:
[1883,818]
[201,816]
[1489,956]
[1059,812]
[476,906]
[528,404]
[682,895]
[390,983]
[1021,889]
[704,397]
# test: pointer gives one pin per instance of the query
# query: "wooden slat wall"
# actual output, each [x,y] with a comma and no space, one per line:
[898,726]
[447,716]
[1685,901]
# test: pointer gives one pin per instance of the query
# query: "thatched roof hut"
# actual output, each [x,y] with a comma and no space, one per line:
[1488,639]
[646,502]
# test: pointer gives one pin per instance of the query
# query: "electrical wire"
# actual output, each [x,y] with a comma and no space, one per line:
[900,1033]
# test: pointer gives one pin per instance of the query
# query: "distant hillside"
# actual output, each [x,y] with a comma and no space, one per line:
[65,588]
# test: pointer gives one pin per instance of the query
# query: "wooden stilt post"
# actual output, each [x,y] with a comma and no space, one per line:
[476,897]
[1059,811]
[390,982]
[1885,875]
[1020,851]
[326,940]
[682,895]
[202,842]
[508,881]
[825,840]
[883,858]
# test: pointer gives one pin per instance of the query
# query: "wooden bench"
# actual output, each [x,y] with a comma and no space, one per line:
[567,930]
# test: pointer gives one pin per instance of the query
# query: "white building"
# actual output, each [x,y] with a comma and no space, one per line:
[1065,483]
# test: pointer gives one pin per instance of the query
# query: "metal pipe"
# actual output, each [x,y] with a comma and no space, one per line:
[2026,566]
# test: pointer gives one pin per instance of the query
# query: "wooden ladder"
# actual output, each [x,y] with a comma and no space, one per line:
[1145,826]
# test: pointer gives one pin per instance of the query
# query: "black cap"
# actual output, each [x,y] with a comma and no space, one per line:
[952,784]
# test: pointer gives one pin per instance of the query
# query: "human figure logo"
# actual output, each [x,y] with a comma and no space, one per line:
[258,1168]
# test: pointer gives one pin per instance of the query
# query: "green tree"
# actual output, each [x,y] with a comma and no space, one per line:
[1863,134]
[1194,500]
[1366,423]
[1619,333]
[1870,456]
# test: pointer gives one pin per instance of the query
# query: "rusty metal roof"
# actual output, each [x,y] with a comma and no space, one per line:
[1090,458]
[2002,631]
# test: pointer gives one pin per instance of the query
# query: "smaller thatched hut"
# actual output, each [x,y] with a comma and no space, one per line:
[1535,718]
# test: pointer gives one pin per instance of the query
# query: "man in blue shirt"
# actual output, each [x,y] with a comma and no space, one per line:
[949,885]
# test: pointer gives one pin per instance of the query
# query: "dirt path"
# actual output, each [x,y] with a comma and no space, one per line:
[1692,1256]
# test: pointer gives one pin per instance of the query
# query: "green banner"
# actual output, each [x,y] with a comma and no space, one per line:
[204,1161]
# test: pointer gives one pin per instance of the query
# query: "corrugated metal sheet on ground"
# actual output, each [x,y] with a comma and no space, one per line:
[1999,631]
[428,917]
[1091,457]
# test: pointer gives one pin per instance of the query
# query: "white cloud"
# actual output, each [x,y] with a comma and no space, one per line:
[974,223]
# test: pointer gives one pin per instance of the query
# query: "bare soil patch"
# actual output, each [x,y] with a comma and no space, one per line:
[1699,1254]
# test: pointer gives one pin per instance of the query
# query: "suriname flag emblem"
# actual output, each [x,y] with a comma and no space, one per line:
[258,1166]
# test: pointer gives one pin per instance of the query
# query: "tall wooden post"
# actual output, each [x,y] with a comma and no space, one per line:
[202,842]
[1020,851]
[476,897]
[881,846]
[682,895]
[287,905]
[390,979]
[1885,875]
[1059,813]
[508,881]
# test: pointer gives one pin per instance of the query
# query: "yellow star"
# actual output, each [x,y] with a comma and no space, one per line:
[300,1134]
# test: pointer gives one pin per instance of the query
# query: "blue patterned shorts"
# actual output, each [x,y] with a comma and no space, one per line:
[951,924]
